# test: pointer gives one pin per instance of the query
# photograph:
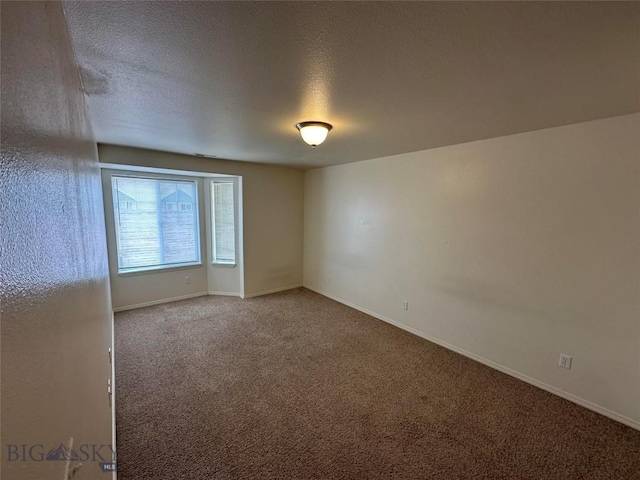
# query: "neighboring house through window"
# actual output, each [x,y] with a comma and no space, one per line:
[151,232]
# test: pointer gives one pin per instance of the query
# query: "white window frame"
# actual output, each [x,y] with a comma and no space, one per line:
[234,182]
[165,266]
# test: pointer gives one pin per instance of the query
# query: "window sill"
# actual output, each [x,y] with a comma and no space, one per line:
[158,269]
[223,265]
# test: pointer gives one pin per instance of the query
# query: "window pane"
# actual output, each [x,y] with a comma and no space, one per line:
[224,235]
[151,229]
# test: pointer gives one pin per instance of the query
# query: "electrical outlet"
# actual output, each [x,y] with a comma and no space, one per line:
[405,306]
[187,280]
[565,361]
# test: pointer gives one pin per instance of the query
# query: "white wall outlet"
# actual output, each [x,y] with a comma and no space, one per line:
[405,306]
[187,280]
[565,361]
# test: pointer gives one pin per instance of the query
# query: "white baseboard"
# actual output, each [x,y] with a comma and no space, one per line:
[520,376]
[274,290]
[158,302]
[226,294]
[201,294]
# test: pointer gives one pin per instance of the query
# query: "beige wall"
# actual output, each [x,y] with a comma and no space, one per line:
[272,211]
[137,289]
[55,310]
[513,250]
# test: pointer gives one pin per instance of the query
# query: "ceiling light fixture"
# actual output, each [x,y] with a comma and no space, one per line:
[314,133]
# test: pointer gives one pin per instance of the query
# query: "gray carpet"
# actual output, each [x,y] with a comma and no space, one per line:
[297,386]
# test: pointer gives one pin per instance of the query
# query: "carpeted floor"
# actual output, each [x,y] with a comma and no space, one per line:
[297,386]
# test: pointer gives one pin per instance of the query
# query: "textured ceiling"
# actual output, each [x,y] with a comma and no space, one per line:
[233,79]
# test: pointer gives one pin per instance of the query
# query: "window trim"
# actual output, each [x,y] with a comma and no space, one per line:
[165,266]
[213,222]
[158,269]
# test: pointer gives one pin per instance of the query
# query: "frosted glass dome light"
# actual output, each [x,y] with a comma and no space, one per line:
[314,133]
